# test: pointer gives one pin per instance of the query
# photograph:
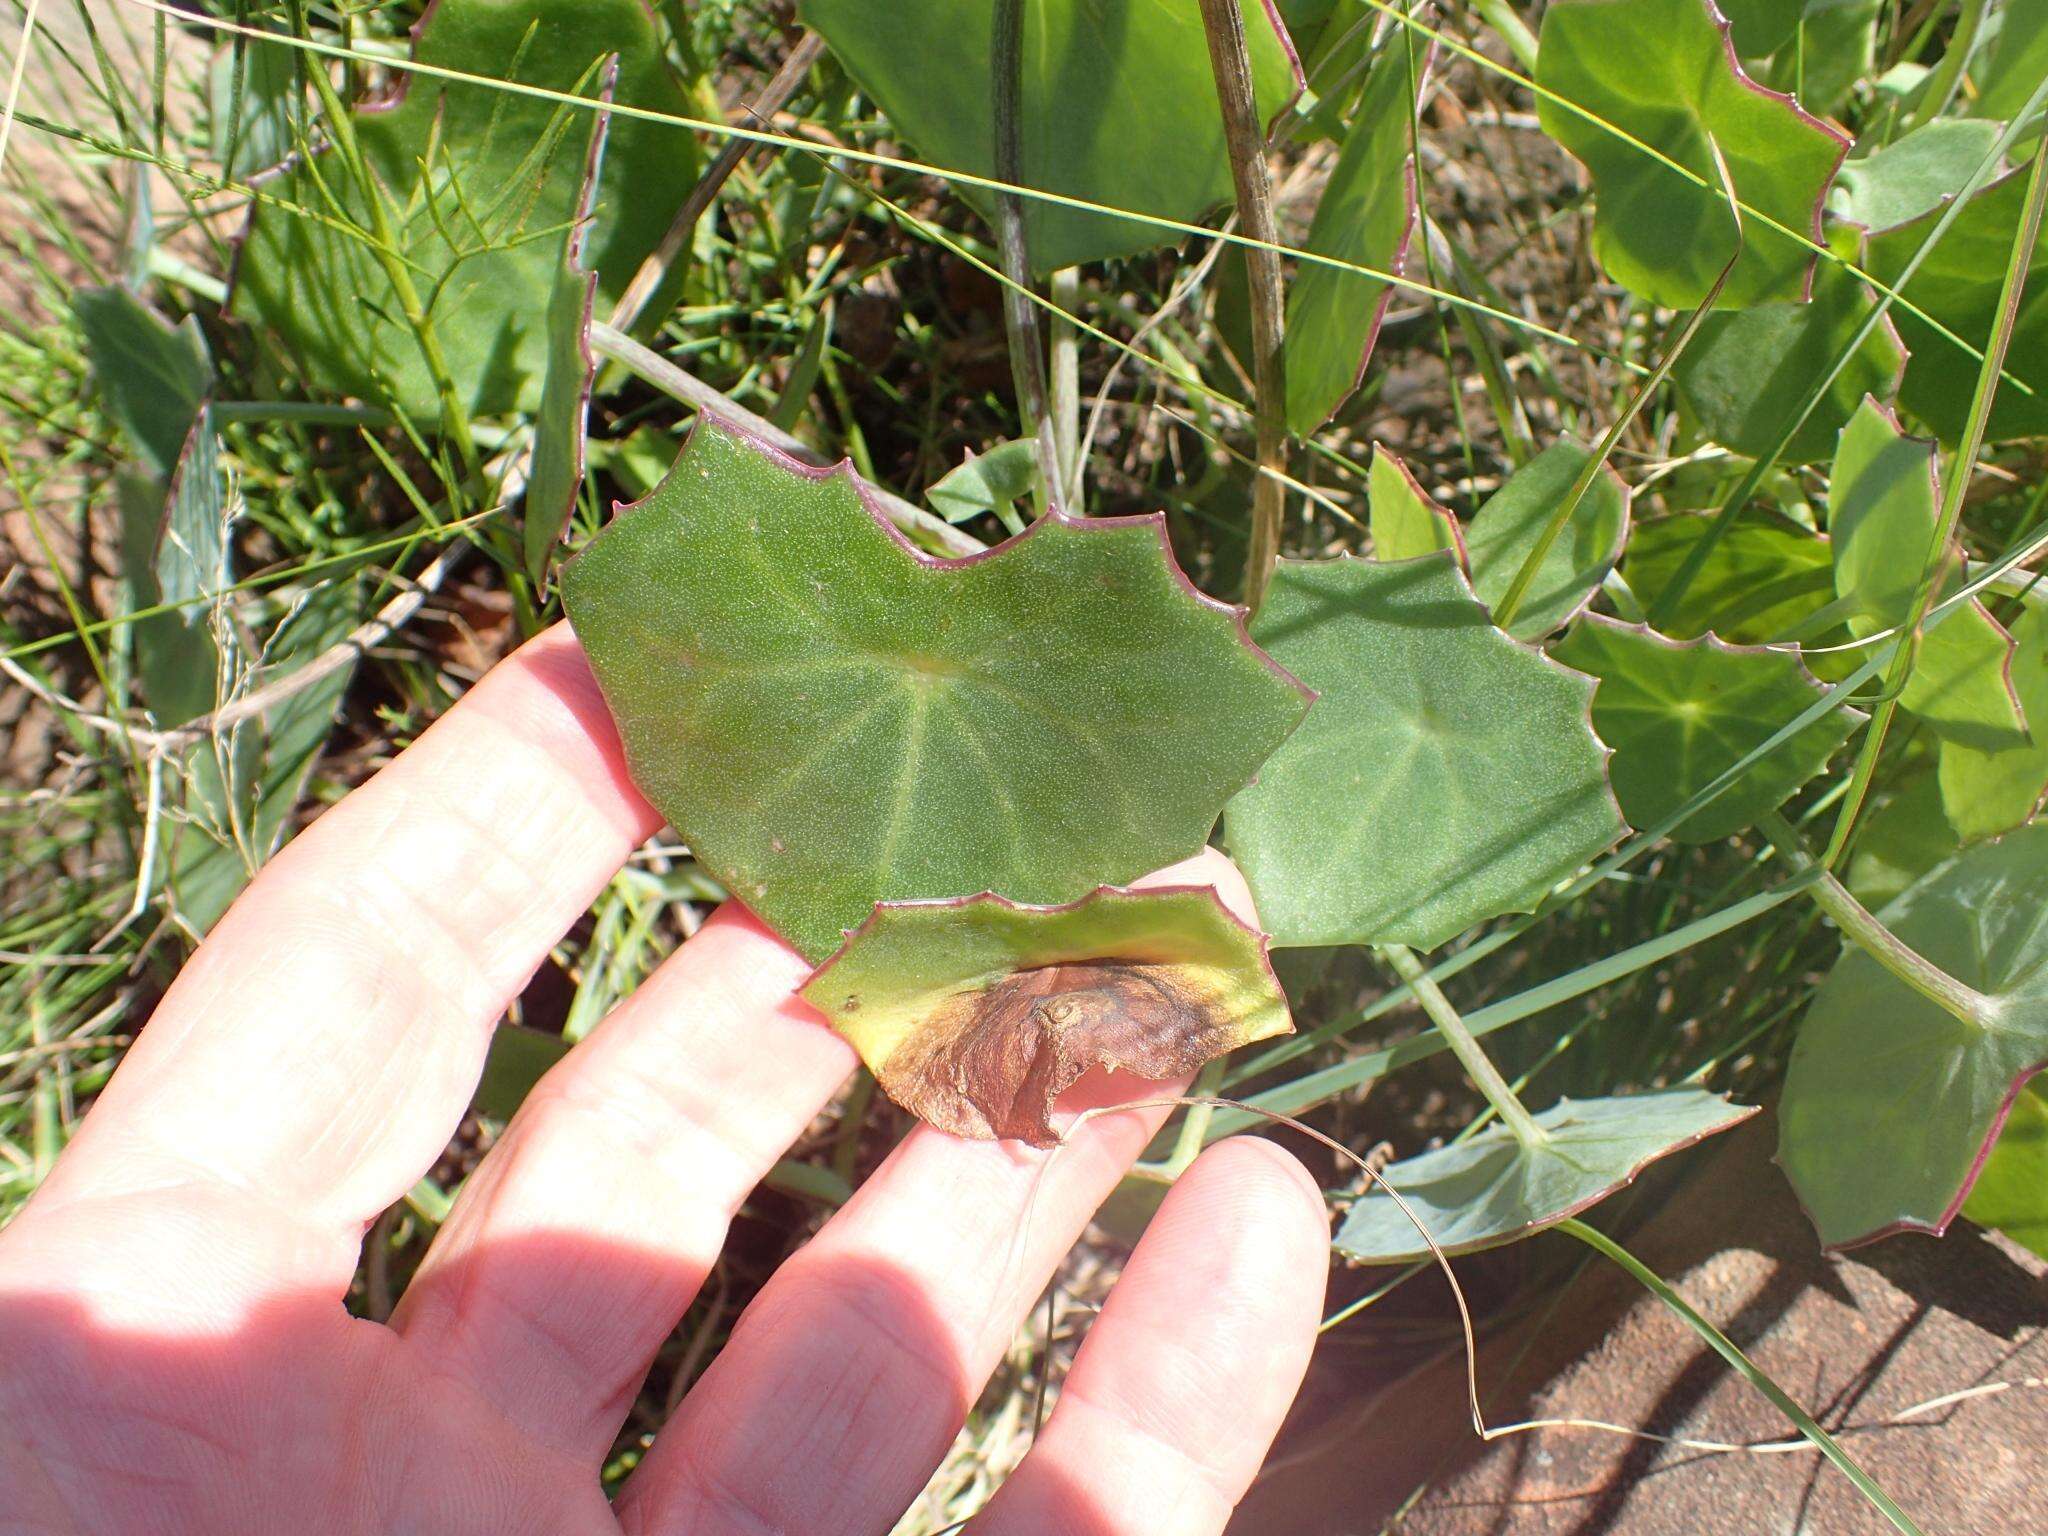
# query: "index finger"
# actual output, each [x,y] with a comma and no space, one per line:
[318,1050]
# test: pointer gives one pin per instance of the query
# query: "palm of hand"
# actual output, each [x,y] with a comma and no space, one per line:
[175,1356]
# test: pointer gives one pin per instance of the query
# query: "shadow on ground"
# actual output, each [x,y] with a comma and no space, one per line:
[1382,1442]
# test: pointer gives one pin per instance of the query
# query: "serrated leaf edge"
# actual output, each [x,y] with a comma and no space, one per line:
[1590,683]
[881,909]
[870,503]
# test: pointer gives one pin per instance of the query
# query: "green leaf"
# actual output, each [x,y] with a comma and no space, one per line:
[1447,774]
[1663,72]
[2014,61]
[2011,1194]
[272,99]
[1912,175]
[1491,1189]
[1958,285]
[174,654]
[560,423]
[478,229]
[1332,64]
[1680,714]
[153,376]
[518,1058]
[192,543]
[992,482]
[976,1014]
[1507,528]
[1764,578]
[1891,1102]
[1746,373]
[832,719]
[1836,47]
[1366,216]
[244,783]
[1117,106]
[1405,522]
[1760,27]
[1882,517]
[1899,840]
[1985,792]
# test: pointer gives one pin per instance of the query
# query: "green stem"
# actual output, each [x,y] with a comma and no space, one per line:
[1960,469]
[1230,61]
[1020,314]
[1463,1043]
[1720,1343]
[1882,945]
[1512,29]
[1194,1127]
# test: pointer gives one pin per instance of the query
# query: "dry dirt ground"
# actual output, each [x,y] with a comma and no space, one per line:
[1859,1340]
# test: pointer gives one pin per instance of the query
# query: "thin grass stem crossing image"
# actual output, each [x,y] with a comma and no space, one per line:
[1189,767]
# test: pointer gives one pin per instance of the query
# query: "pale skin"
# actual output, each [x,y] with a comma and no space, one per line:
[175,1356]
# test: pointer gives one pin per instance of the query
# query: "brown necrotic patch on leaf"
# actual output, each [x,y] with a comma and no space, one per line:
[990,1064]
[977,1014]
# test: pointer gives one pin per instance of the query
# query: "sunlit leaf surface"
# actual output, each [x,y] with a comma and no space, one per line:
[1447,774]
[832,719]
[1405,521]
[1882,517]
[1662,71]
[1985,791]
[2011,1194]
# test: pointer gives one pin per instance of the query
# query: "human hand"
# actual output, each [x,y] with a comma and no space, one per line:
[175,1356]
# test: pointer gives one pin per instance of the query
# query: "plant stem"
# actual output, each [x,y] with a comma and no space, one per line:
[1960,469]
[1463,1043]
[1858,923]
[1512,29]
[1230,60]
[1020,314]
[1066,386]
[674,244]
[1194,1128]
[1719,1342]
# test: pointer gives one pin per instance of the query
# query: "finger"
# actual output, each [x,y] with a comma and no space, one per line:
[1184,1380]
[316,1053]
[582,1237]
[847,1378]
